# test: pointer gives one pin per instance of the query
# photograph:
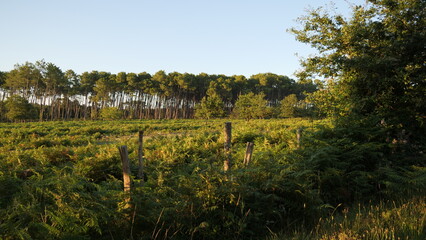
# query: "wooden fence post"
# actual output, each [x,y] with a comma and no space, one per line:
[298,136]
[126,173]
[249,153]
[140,157]
[228,138]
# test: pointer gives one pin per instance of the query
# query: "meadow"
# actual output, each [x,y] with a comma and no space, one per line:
[63,180]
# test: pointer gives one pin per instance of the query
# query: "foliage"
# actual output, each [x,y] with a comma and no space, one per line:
[24,79]
[330,101]
[375,58]
[63,179]
[18,108]
[65,95]
[385,220]
[288,106]
[373,91]
[251,106]
[210,107]
[111,113]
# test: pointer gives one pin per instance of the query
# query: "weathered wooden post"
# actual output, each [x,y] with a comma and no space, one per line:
[249,153]
[298,136]
[126,173]
[140,157]
[228,138]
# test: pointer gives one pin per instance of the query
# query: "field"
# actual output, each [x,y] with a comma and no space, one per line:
[63,180]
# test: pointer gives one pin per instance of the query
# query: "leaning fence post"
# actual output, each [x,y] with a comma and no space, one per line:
[228,138]
[140,157]
[126,173]
[249,153]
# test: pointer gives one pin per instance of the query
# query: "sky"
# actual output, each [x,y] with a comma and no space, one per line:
[231,37]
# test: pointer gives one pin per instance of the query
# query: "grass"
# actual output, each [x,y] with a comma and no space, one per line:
[387,220]
[278,192]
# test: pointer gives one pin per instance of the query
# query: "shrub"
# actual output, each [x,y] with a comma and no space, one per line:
[111,113]
[288,106]
[251,106]
[210,107]
[18,108]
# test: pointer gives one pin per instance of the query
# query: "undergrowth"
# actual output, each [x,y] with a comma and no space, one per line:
[62,180]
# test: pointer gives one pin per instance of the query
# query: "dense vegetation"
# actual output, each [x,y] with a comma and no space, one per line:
[357,174]
[64,179]
[373,63]
[57,95]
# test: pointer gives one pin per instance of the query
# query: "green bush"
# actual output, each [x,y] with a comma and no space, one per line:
[288,106]
[210,107]
[251,106]
[18,108]
[111,113]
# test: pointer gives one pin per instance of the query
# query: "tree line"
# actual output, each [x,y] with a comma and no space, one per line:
[42,91]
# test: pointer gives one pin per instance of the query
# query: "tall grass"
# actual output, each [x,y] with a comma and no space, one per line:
[386,220]
[63,180]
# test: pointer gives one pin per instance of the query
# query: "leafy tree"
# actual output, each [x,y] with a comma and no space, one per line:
[251,106]
[210,107]
[55,84]
[201,85]
[67,95]
[18,108]
[376,58]
[304,87]
[240,86]
[221,86]
[25,79]
[274,86]
[2,79]
[104,87]
[138,82]
[88,81]
[162,86]
[74,81]
[330,101]
[87,84]
[288,106]
[53,78]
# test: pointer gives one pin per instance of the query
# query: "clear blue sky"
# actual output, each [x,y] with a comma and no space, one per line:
[213,36]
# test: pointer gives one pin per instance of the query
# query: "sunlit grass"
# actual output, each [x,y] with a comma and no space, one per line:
[279,194]
[390,220]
